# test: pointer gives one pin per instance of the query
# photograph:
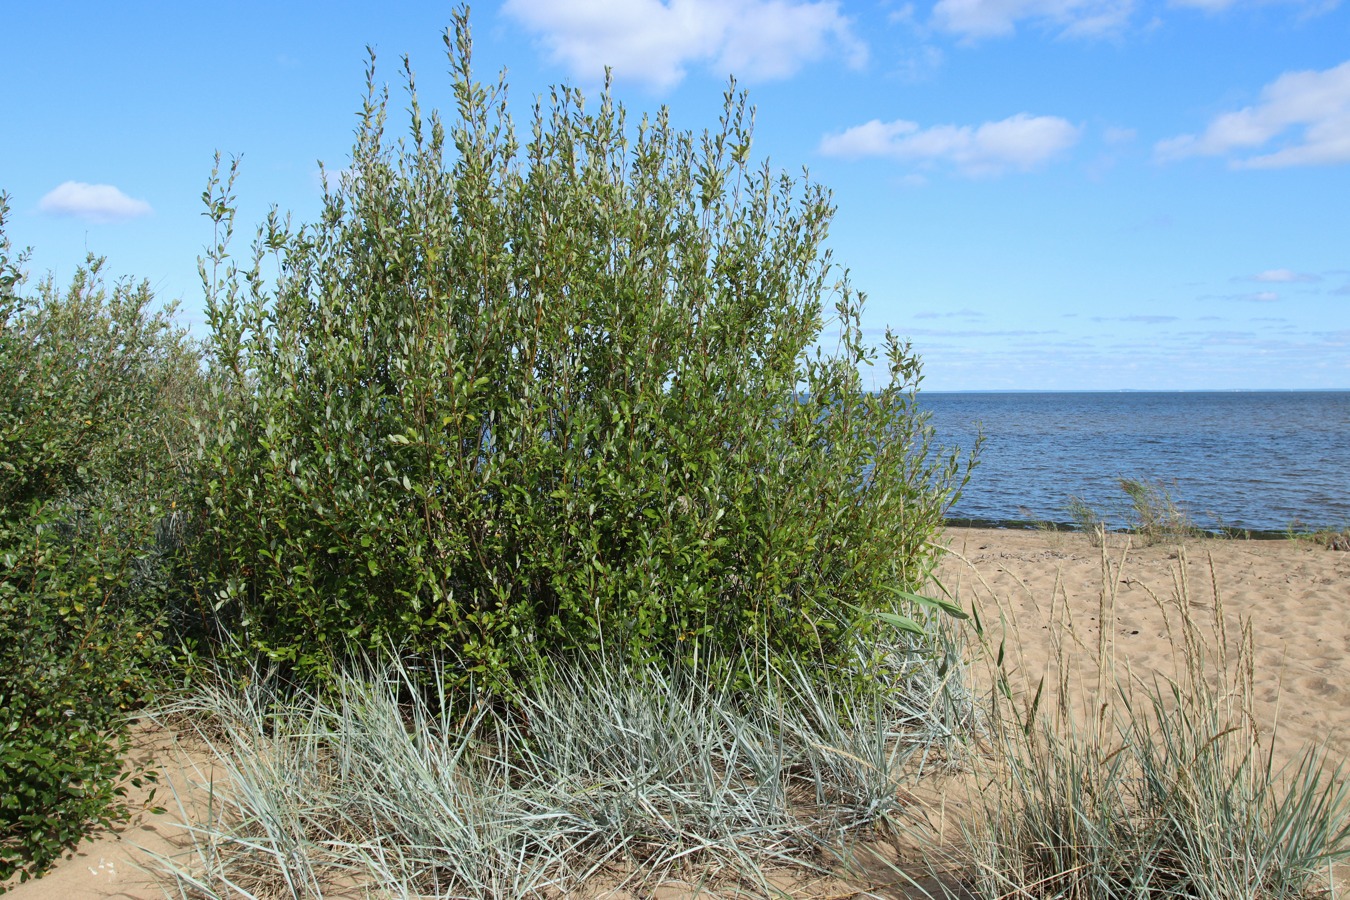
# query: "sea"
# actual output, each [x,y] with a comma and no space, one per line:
[1256,461]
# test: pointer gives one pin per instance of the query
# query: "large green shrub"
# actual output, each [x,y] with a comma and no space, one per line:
[93,393]
[511,400]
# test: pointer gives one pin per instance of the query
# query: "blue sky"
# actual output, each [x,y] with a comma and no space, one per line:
[1042,194]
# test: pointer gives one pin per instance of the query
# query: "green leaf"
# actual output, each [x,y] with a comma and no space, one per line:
[904,623]
[946,606]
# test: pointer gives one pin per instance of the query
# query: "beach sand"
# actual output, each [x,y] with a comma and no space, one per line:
[1295,594]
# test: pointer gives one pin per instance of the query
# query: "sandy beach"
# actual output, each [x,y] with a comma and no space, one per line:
[1295,594]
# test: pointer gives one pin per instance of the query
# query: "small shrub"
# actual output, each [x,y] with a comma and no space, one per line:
[1155,516]
[514,400]
[1087,520]
[91,418]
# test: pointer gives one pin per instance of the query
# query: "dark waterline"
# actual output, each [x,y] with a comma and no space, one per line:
[1261,461]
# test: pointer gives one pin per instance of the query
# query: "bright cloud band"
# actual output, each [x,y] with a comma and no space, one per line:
[1020,142]
[655,42]
[1313,107]
[96,202]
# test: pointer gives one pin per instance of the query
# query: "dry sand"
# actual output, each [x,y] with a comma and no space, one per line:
[1295,594]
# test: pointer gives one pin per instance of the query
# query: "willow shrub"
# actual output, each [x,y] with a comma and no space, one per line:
[510,400]
[95,387]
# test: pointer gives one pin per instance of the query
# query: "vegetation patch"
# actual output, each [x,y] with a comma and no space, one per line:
[1330,538]
[93,425]
[1153,515]
[514,534]
[515,396]
[607,774]
[1098,783]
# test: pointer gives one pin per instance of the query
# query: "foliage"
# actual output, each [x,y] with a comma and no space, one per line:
[516,400]
[617,779]
[90,418]
[1088,521]
[1335,540]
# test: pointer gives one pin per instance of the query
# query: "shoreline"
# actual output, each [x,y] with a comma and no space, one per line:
[1027,584]
[1065,527]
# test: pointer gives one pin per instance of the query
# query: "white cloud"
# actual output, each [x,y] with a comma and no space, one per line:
[1284,276]
[1253,297]
[1306,114]
[657,40]
[974,19]
[95,202]
[1019,142]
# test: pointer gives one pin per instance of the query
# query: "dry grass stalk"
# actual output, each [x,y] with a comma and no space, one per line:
[1142,786]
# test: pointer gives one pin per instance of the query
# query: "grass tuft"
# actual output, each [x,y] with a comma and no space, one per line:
[612,774]
[1154,515]
[1329,538]
[1109,785]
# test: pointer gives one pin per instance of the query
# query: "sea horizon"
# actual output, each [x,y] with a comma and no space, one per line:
[1262,461]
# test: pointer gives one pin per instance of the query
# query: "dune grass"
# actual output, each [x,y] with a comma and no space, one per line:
[614,777]
[1153,515]
[1102,783]
[1095,782]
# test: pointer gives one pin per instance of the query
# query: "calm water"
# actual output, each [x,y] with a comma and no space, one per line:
[1253,460]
